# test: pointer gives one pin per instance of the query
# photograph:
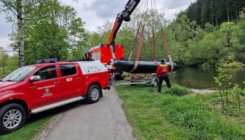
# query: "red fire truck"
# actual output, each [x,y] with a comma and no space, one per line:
[35,88]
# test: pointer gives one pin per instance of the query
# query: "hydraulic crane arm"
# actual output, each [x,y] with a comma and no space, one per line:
[123,16]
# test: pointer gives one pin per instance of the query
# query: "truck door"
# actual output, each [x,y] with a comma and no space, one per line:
[71,81]
[48,89]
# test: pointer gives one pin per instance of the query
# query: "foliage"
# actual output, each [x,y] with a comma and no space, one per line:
[47,29]
[202,122]
[227,90]
[162,116]
[224,85]
[215,11]
[231,65]
[152,22]
[8,64]
[19,12]
[177,90]
[194,39]
[56,36]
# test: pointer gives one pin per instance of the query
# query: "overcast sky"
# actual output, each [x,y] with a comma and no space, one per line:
[96,12]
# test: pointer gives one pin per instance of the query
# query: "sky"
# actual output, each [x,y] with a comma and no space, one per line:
[96,12]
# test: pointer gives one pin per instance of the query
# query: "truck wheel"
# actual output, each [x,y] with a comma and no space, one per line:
[113,81]
[12,117]
[93,94]
[154,83]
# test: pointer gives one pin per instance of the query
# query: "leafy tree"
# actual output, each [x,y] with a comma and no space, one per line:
[230,32]
[18,12]
[242,13]
[214,11]
[57,35]
[3,60]
[46,26]
[210,50]
[185,35]
[78,38]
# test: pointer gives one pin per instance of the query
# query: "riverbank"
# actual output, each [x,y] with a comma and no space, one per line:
[201,91]
[155,115]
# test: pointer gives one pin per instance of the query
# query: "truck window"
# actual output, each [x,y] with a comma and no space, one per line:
[67,69]
[19,74]
[48,72]
[96,56]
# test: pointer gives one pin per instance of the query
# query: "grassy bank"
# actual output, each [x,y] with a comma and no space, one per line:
[34,126]
[173,115]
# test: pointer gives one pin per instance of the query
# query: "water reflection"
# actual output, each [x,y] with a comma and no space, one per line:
[202,78]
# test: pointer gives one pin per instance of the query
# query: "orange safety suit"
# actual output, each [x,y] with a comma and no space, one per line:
[162,74]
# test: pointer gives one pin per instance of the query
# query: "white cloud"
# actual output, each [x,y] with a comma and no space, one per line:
[96,12]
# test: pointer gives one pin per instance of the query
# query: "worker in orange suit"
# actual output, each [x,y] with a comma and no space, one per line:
[162,74]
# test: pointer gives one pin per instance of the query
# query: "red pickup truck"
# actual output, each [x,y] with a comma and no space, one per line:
[35,88]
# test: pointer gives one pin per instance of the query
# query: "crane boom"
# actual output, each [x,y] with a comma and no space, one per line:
[123,16]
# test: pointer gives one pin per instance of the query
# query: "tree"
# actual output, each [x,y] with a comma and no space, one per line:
[26,14]
[57,34]
[230,34]
[214,11]
[185,34]
[18,12]
[152,21]
[242,13]
[3,60]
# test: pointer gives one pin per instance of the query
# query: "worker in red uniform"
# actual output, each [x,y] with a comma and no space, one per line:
[162,74]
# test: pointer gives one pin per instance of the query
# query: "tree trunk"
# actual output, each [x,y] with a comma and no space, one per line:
[237,20]
[216,19]
[227,12]
[21,33]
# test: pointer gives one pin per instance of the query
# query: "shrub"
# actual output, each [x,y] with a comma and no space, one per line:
[242,92]
[202,122]
[177,90]
[232,65]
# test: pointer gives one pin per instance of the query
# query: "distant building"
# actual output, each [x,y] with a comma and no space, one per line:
[1,52]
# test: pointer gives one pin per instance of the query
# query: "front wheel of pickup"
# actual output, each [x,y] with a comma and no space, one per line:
[93,94]
[12,117]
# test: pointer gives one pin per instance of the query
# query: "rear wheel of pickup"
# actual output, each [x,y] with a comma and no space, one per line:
[154,83]
[93,94]
[12,117]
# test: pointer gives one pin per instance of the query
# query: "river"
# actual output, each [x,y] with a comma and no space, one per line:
[203,78]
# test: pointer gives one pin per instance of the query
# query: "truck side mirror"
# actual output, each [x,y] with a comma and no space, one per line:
[35,78]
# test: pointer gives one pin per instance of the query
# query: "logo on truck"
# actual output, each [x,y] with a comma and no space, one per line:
[46,90]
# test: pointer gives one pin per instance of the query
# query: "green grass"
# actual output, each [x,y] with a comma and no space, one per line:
[157,116]
[28,131]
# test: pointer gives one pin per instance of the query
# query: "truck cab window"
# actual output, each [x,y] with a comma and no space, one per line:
[68,69]
[48,72]
[19,74]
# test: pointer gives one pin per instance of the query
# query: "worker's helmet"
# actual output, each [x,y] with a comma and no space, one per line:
[163,60]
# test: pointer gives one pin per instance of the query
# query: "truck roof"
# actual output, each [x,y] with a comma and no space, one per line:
[86,66]
[53,63]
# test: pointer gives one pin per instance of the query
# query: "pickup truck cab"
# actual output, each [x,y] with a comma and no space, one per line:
[35,88]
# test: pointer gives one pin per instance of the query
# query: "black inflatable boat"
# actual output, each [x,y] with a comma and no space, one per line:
[140,66]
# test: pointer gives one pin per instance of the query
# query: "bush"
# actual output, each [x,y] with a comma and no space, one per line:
[177,90]
[242,92]
[232,65]
[200,121]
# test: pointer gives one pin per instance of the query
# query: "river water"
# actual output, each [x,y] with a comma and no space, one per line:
[203,78]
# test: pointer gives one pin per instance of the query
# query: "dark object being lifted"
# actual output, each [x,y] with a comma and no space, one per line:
[140,66]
